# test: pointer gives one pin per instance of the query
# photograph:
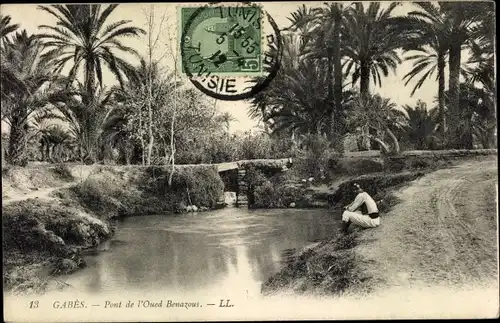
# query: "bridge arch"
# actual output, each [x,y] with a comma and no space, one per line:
[234,174]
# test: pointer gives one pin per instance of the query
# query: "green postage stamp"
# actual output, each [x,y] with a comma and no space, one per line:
[221,40]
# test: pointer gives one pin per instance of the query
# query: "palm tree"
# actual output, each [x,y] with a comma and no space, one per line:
[430,36]
[295,102]
[83,38]
[328,44]
[5,26]
[372,112]
[292,57]
[477,119]
[55,144]
[481,64]
[371,38]
[421,126]
[302,23]
[462,17]
[35,86]
[86,117]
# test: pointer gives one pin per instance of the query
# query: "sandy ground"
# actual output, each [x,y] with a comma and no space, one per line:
[441,237]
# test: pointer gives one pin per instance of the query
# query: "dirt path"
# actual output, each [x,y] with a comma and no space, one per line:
[442,235]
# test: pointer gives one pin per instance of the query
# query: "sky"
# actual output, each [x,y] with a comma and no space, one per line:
[29,18]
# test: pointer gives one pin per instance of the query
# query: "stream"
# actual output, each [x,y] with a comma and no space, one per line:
[232,249]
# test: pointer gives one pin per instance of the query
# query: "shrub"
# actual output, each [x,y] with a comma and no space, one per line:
[97,194]
[279,191]
[200,186]
[265,196]
[394,164]
[288,194]
[254,177]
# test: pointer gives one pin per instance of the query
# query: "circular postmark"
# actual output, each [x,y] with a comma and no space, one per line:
[229,52]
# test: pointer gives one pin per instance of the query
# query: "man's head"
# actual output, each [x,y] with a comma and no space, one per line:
[357,189]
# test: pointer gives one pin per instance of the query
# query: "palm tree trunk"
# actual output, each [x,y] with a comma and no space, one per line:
[17,143]
[454,95]
[382,144]
[394,140]
[89,80]
[441,82]
[364,81]
[363,141]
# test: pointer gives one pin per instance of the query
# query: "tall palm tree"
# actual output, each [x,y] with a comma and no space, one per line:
[371,38]
[430,36]
[328,44]
[82,37]
[5,26]
[35,87]
[462,17]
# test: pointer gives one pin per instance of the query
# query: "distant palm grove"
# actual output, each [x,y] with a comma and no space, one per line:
[59,109]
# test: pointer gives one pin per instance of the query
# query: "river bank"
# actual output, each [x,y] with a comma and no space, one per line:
[439,233]
[51,215]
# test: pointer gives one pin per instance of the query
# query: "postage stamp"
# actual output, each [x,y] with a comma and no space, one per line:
[229,52]
[222,40]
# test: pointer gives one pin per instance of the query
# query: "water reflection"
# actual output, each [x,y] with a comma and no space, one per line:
[234,249]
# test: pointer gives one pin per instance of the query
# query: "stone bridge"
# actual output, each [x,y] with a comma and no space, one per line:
[239,169]
[233,174]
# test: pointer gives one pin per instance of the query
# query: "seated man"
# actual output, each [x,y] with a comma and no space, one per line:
[352,214]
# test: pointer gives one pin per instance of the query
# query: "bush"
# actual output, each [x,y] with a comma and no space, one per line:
[200,186]
[279,191]
[254,177]
[265,196]
[97,194]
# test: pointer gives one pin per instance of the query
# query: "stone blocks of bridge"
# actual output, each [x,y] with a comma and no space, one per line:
[242,194]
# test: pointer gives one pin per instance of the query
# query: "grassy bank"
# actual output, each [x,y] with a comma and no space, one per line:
[75,208]
[336,266]
[331,267]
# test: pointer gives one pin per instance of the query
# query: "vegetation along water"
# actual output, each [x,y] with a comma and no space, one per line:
[108,150]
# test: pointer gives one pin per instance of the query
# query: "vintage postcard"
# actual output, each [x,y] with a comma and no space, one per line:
[218,161]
